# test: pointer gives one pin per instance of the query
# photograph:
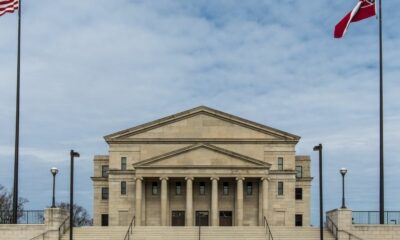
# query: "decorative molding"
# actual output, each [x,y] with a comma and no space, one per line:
[146,162]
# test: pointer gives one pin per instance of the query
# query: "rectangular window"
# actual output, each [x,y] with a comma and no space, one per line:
[202,188]
[123,188]
[104,193]
[299,194]
[154,188]
[178,188]
[123,163]
[299,220]
[299,171]
[280,188]
[225,188]
[280,163]
[249,188]
[104,170]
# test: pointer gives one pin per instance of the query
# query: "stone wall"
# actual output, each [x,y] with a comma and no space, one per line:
[54,217]
[342,218]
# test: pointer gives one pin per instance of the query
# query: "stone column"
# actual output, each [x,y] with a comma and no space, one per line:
[138,202]
[189,201]
[214,202]
[164,200]
[265,197]
[239,201]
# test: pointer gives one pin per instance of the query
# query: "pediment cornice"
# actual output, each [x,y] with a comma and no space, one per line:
[124,135]
[152,162]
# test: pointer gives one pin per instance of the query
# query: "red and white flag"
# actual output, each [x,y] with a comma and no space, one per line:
[364,9]
[8,6]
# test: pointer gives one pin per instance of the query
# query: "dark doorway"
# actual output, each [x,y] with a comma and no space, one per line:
[201,218]
[178,218]
[299,220]
[225,218]
[104,219]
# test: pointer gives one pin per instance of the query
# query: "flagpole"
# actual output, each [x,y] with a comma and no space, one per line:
[16,154]
[381,159]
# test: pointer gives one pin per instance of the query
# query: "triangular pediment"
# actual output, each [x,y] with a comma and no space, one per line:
[201,123]
[202,156]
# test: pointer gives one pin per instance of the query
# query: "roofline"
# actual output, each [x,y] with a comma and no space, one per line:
[197,110]
[197,146]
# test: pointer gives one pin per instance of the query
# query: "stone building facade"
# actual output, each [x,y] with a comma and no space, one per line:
[202,167]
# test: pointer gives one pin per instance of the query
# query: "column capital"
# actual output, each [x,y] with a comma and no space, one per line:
[189,178]
[240,179]
[138,178]
[164,178]
[214,178]
[266,178]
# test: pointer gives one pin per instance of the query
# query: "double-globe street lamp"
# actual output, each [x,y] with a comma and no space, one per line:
[343,171]
[54,172]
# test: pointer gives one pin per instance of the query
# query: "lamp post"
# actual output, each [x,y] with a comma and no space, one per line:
[343,171]
[73,154]
[321,206]
[54,172]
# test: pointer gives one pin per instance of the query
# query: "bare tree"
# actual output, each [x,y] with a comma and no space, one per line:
[6,205]
[81,216]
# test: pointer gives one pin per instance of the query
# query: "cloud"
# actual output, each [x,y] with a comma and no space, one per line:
[94,67]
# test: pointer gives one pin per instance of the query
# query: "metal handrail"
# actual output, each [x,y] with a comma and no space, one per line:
[43,235]
[129,232]
[63,226]
[335,230]
[268,232]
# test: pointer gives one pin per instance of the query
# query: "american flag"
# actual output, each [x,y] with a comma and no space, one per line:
[8,6]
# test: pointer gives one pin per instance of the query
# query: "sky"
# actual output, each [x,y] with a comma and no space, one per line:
[90,68]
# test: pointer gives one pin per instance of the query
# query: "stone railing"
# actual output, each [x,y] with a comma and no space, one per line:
[340,223]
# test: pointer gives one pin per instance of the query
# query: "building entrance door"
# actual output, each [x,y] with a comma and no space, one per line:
[201,218]
[225,218]
[178,218]
[104,219]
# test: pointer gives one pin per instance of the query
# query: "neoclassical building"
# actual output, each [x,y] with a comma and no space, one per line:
[201,167]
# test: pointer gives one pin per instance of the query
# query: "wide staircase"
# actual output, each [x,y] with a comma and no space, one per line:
[299,233]
[192,233]
[97,233]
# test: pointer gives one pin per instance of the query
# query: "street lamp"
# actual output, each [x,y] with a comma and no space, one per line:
[73,155]
[321,197]
[54,171]
[343,171]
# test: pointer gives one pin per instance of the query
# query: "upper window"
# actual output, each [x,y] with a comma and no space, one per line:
[299,171]
[123,163]
[154,188]
[178,188]
[123,188]
[104,170]
[104,193]
[280,163]
[202,188]
[249,188]
[225,189]
[299,194]
[280,188]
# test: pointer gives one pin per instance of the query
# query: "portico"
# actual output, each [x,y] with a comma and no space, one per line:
[226,201]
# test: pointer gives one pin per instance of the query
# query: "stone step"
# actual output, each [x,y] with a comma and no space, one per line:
[192,233]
